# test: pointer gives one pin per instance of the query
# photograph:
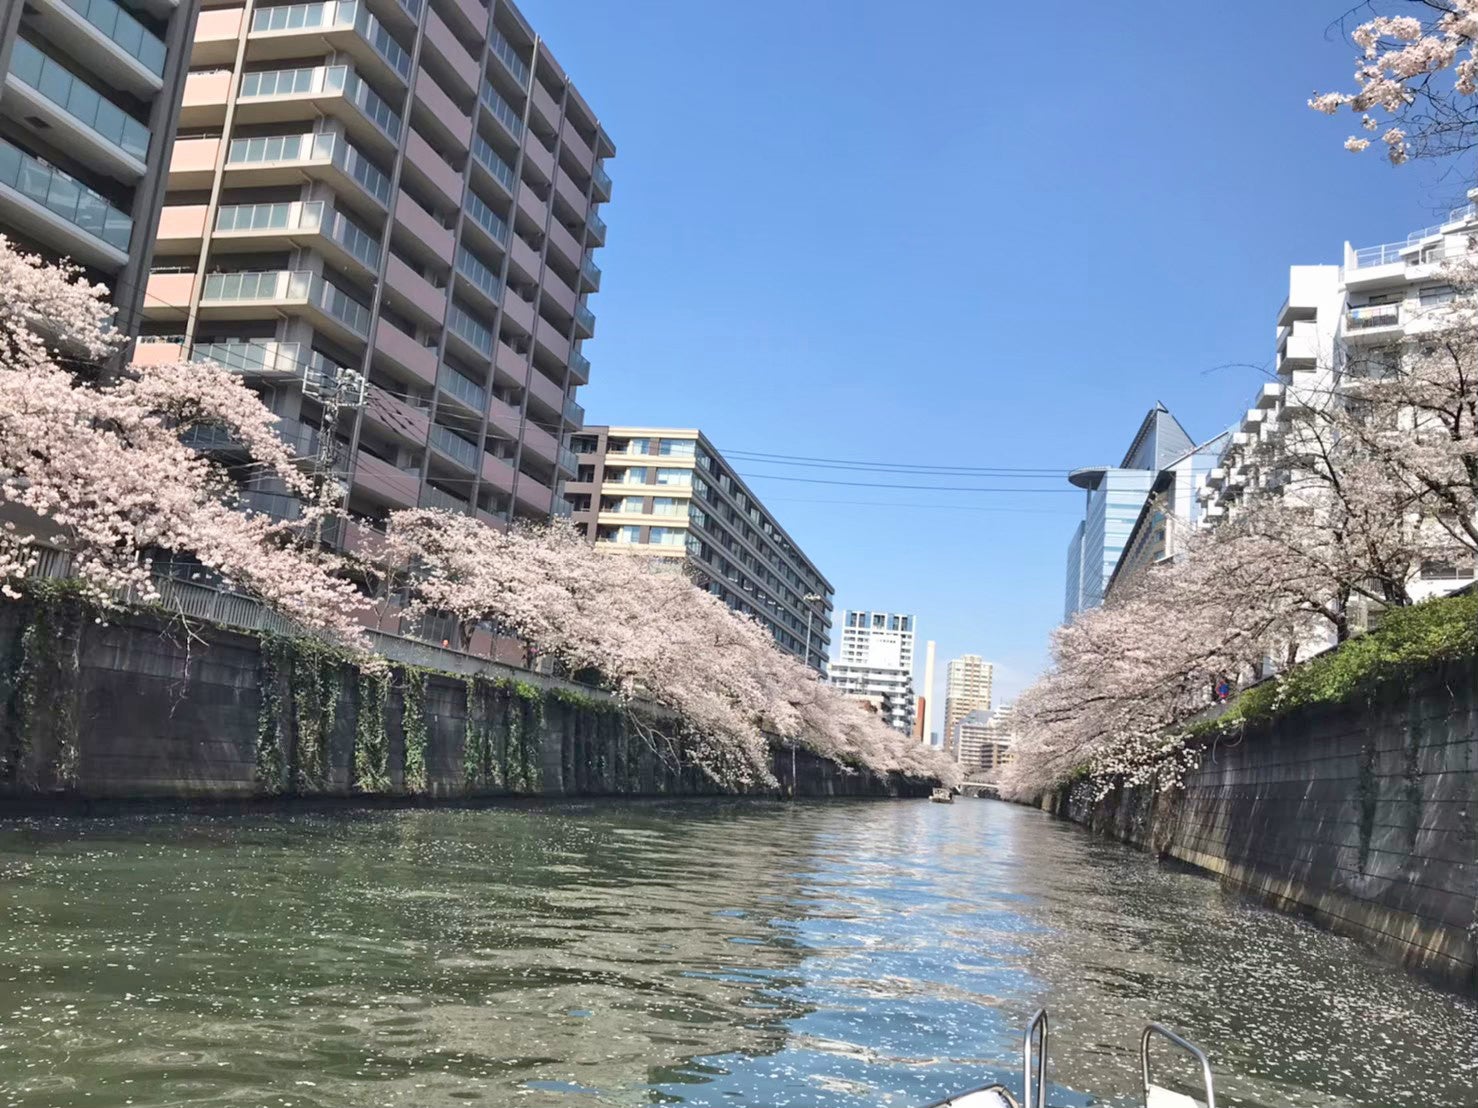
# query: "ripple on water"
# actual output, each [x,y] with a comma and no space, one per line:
[838,955]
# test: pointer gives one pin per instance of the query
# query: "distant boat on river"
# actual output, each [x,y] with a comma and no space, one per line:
[942,796]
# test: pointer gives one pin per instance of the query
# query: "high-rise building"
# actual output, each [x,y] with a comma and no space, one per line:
[876,664]
[384,214]
[924,728]
[983,740]
[91,94]
[1115,496]
[668,493]
[967,689]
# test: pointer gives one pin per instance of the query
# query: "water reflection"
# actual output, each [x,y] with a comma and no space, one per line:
[764,955]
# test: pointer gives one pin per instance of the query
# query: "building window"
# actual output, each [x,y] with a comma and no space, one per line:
[674,477]
[675,448]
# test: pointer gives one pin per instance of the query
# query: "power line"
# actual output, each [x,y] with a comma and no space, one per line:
[914,504]
[884,485]
[844,463]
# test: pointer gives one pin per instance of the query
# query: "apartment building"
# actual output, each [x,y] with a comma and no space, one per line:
[875,664]
[668,493]
[983,740]
[1114,498]
[1338,322]
[384,214]
[87,118]
[967,688]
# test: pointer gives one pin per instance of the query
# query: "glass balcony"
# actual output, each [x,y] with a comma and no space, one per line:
[289,149]
[280,506]
[574,412]
[562,508]
[461,323]
[343,307]
[505,51]
[568,462]
[433,497]
[492,163]
[328,15]
[502,110]
[273,285]
[589,270]
[324,80]
[464,388]
[489,220]
[58,84]
[596,224]
[64,196]
[305,217]
[470,266]
[126,32]
[353,238]
[580,365]
[1373,315]
[252,357]
[585,319]
[454,446]
[602,180]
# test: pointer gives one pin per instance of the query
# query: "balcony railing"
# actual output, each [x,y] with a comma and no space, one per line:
[580,365]
[574,413]
[590,270]
[288,285]
[489,220]
[289,149]
[465,389]
[64,196]
[568,462]
[1387,254]
[1373,315]
[492,163]
[505,50]
[433,497]
[329,14]
[250,357]
[602,180]
[126,32]
[470,266]
[324,80]
[454,446]
[561,508]
[280,506]
[501,109]
[458,319]
[353,238]
[585,319]
[596,224]
[79,100]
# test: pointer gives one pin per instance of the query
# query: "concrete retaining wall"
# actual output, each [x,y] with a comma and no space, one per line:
[1362,816]
[138,708]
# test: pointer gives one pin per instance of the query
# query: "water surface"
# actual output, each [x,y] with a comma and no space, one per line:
[700,954]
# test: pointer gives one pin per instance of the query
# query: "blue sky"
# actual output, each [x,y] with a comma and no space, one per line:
[949,233]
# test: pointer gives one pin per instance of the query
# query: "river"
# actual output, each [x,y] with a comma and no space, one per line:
[701,954]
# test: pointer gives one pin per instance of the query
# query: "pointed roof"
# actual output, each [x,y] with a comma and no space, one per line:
[1160,440]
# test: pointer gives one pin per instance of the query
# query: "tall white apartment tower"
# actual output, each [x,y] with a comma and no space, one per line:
[876,664]
[967,689]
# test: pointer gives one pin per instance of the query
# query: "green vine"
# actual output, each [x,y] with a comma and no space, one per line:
[271,761]
[45,688]
[477,754]
[316,682]
[371,740]
[415,729]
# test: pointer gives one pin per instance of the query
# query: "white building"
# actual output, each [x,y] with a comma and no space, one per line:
[983,740]
[1339,321]
[967,689]
[876,664]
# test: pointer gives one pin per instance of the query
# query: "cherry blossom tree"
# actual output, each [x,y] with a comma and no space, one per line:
[1415,80]
[97,465]
[653,637]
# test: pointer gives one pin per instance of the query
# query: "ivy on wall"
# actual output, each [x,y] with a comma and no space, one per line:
[415,728]
[42,689]
[371,734]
